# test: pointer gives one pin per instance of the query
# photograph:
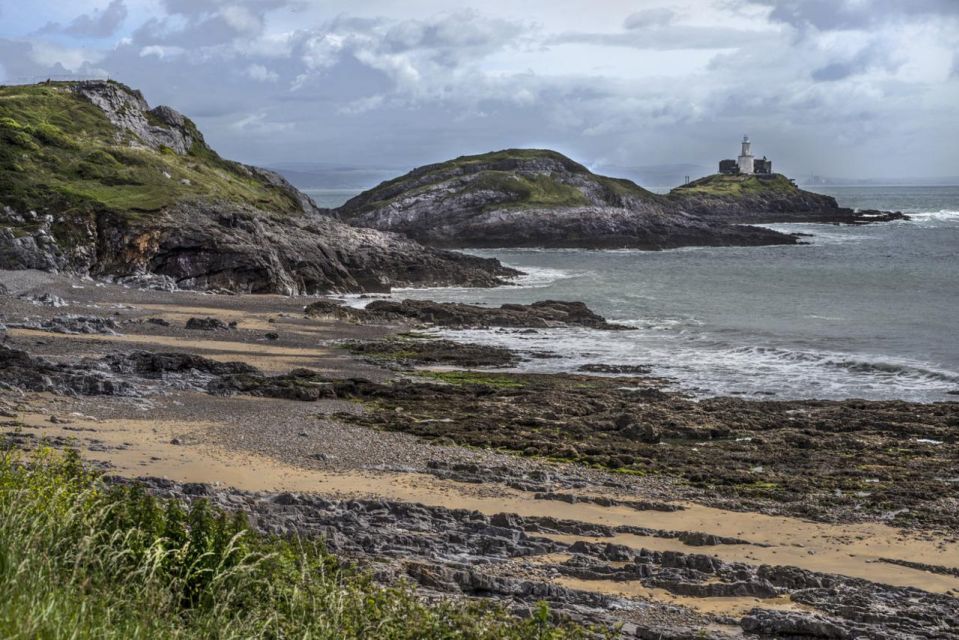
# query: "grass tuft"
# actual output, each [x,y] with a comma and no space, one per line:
[82,559]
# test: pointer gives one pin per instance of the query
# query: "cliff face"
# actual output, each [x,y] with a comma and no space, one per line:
[92,180]
[765,199]
[535,198]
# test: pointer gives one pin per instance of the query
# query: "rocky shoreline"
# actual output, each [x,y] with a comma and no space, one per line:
[613,498]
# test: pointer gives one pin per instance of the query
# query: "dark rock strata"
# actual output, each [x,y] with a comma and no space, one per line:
[466,553]
[543,314]
[20,370]
[412,352]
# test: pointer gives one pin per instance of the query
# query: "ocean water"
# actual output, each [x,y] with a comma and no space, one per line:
[330,198]
[866,312]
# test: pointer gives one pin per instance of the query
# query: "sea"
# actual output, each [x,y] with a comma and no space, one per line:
[855,312]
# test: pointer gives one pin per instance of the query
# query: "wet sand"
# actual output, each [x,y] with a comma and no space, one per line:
[144,447]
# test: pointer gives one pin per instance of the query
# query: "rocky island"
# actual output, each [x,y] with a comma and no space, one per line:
[766,198]
[93,181]
[747,191]
[536,198]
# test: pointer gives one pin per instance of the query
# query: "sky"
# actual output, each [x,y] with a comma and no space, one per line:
[842,88]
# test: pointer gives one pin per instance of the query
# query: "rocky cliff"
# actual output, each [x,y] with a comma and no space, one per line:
[765,199]
[94,181]
[531,197]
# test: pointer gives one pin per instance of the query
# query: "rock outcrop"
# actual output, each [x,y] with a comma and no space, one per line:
[514,560]
[94,181]
[456,315]
[535,198]
[769,198]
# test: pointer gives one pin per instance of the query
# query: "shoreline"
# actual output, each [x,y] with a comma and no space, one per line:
[452,472]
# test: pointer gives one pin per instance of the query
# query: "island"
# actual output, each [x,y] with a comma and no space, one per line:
[536,198]
[746,191]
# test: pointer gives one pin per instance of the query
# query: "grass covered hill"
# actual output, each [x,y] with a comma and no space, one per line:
[513,177]
[93,180]
[533,197]
[739,185]
[756,198]
[97,147]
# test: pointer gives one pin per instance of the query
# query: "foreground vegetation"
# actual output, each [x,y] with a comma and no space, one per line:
[82,559]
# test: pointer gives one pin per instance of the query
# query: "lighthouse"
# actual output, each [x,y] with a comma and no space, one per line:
[746,157]
[746,164]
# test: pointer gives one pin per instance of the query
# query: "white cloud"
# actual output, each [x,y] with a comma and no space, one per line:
[257,124]
[363,105]
[261,73]
[162,52]
[242,19]
[70,58]
[323,50]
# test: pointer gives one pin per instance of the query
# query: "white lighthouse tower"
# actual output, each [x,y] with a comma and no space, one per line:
[746,158]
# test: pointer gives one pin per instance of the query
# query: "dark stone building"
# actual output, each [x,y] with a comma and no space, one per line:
[728,167]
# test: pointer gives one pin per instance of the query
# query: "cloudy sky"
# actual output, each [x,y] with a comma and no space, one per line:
[853,88]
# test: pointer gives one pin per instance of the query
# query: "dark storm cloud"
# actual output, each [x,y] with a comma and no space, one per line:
[200,7]
[868,58]
[666,37]
[854,14]
[101,23]
[649,18]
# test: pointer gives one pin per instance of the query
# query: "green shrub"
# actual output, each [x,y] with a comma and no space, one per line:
[11,124]
[102,158]
[52,135]
[17,138]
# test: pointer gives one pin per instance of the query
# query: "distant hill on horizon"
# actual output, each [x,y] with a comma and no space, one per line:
[826,181]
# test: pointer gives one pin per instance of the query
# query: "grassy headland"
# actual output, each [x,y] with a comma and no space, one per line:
[60,152]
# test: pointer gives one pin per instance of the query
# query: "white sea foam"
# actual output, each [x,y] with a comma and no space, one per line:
[822,233]
[540,277]
[943,215]
[707,365]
